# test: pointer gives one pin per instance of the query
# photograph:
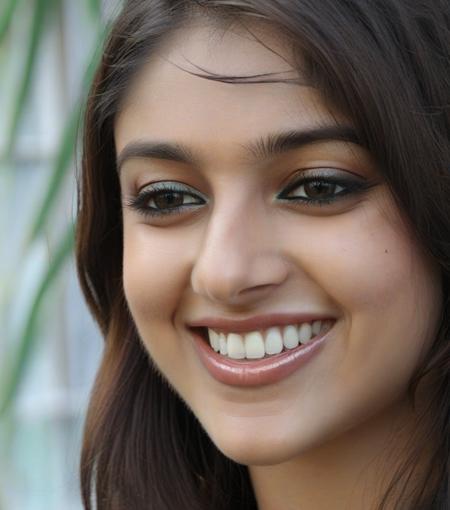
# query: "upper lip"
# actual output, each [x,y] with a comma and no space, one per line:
[257,322]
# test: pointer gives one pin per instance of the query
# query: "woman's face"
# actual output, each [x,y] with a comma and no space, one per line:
[289,229]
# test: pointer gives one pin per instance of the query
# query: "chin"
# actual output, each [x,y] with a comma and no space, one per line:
[260,449]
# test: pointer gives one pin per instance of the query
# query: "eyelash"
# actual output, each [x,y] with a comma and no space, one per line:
[349,186]
[139,203]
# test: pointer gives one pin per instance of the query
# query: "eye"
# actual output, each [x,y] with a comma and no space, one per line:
[163,199]
[323,186]
[168,199]
[319,189]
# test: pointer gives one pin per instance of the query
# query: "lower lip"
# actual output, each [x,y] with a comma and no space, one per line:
[256,372]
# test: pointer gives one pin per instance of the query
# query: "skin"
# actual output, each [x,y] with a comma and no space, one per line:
[242,252]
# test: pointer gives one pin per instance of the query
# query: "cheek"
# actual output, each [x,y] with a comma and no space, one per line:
[153,276]
[153,272]
[370,264]
[390,297]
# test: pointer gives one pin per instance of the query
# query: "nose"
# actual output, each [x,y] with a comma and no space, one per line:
[239,259]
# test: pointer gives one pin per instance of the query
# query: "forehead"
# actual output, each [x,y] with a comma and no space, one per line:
[166,100]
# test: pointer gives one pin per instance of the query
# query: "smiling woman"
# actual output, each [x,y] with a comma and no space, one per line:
[263,238]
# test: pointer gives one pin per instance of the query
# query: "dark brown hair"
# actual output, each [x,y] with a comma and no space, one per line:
[385,64]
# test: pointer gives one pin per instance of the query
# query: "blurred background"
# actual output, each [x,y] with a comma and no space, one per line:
[49,345]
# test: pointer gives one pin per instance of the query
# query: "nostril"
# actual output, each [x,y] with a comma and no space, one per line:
[238,280]
[259,287]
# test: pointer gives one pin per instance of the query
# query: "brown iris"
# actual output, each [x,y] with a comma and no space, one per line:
[169,199]
[319,189]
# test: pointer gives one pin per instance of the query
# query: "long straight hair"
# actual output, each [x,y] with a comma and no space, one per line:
[385,64]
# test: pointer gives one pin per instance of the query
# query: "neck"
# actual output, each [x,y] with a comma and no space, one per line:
[349,471]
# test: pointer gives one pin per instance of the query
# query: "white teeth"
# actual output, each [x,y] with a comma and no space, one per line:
[214,340]
[290,337]
[304,333]
[235,345]
[257,344]
[254,345]
[223,344]
[274,341]
[316,327]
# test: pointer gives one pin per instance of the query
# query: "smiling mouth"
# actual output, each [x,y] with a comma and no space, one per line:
[263,344]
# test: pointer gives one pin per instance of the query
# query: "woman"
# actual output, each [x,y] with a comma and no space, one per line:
[263,238]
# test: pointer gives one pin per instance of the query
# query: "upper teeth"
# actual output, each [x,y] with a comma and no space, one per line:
[256,344]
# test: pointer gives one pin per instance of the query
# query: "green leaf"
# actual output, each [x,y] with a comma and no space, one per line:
[37,31]
[6,17]
[66,151]
[17,361]
[63,159]
[95,8]
[15,364]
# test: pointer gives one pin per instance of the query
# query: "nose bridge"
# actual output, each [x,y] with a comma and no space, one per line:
[237,253]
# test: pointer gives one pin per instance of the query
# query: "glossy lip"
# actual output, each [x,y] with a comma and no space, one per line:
[256,372]
[257,322]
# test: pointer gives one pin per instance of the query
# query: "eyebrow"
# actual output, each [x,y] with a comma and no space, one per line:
[265,147]
[279,143]
[157,150]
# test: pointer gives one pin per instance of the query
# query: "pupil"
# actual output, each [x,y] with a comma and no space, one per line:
[319,189]
[169,199]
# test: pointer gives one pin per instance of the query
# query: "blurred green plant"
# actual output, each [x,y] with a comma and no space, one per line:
[14,362]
